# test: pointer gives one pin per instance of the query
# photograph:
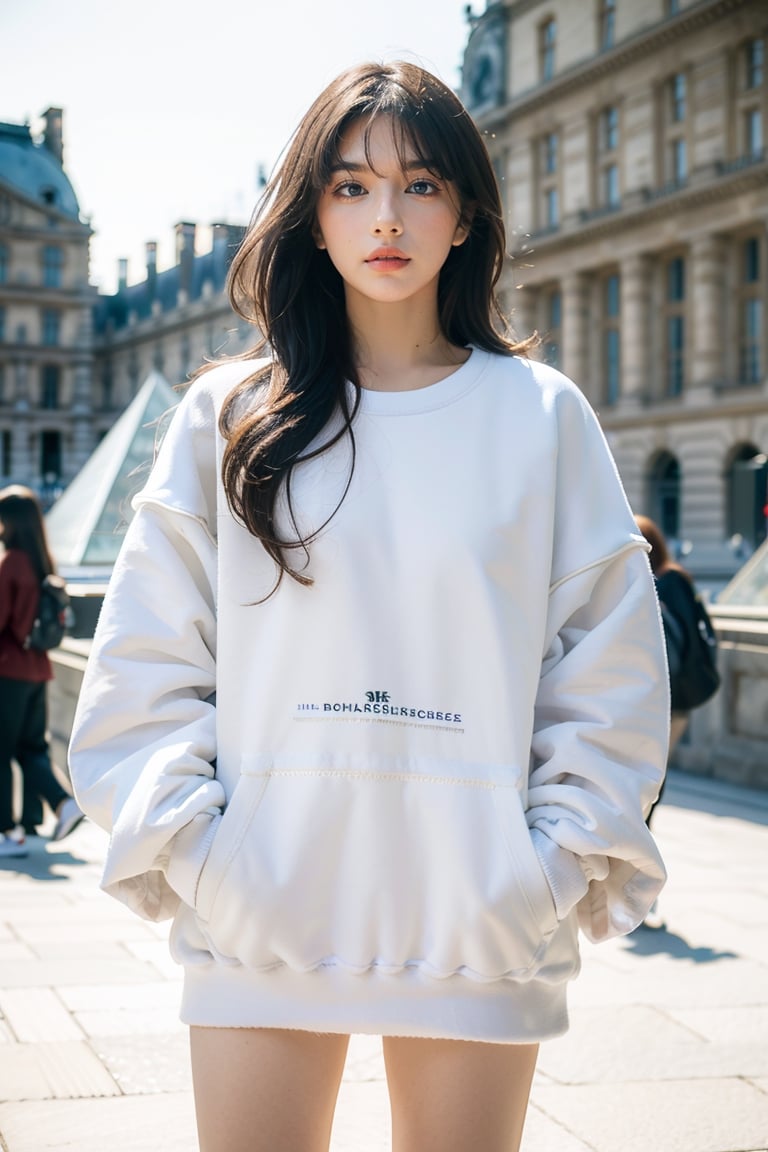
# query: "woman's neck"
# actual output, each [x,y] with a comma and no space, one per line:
[400,347]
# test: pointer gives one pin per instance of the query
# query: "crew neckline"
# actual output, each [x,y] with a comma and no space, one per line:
[432,396]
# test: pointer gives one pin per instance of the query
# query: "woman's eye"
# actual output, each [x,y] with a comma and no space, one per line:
[423,187]
[351,189]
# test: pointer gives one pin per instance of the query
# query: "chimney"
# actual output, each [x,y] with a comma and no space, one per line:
[53,133]
[151,256]
[185,257]
[122,273]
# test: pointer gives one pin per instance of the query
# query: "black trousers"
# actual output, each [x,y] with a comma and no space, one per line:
[23,738]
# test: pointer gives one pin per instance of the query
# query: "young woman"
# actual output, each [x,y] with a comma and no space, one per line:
[24,672]
[377,703]
[677,593]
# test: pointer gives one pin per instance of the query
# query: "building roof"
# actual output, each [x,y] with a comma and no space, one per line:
[34,171]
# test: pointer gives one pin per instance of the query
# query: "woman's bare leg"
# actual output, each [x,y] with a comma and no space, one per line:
[456,1095]
[265,1089]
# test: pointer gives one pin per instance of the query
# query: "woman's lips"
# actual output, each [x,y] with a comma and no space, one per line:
[387,259]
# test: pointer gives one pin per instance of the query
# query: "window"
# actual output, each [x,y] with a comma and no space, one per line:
[607,24]
[609,186]
[675,125]
[751,311]
[677,98]
[547,43]
[674,322]
[553,323]
[49,393]
[745,483]
[6,451]
[549,154]
[754,63]
[609,129]
[678,161]
[671,7]
[3,263]
[50,455]
[611,338]
[51,327]
[664,494]
[608,192]
[548,175]
[53,262]
[2,323]
[751,105]
[551,209]
[753,132]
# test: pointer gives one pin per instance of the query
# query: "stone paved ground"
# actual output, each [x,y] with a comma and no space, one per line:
[668,1050]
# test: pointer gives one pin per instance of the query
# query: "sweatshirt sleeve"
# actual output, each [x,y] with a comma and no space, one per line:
[143,747]
[601,722]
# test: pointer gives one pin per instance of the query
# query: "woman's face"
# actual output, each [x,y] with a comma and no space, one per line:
[387,229]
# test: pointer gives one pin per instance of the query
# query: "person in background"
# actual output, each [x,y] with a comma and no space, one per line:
[672,583]
[25,560]
[397,550]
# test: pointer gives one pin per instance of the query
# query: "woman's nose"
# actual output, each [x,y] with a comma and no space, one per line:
[387,221]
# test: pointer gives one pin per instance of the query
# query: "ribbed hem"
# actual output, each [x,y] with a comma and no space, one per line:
[328,1000]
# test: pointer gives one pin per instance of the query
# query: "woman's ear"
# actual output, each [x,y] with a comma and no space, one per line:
[317,236]
[464,226]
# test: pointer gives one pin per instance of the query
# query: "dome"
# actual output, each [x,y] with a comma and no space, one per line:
[34,171]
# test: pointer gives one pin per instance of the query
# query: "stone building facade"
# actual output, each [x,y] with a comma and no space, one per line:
[170,322]
[46,311]
[629,138]
[71,360]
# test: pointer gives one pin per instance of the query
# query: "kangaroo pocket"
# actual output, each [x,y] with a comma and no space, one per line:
[419,866]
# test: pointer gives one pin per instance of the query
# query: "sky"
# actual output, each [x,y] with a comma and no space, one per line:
[171,108]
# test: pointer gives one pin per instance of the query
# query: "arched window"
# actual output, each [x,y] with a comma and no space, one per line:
[746,493]
[50,456]
[664,494]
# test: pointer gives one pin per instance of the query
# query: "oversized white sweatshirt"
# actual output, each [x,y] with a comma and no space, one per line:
[385,802]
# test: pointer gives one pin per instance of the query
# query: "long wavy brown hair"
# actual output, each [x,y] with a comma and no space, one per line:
[284,284]
[24,528]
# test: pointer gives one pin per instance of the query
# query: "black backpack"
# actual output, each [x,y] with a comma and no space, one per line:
[691,644]
[54,616]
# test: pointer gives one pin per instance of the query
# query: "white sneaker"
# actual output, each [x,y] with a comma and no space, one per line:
[13,844]
[69,817]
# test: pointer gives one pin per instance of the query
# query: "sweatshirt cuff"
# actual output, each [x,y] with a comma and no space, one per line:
[188,853]
[562,871]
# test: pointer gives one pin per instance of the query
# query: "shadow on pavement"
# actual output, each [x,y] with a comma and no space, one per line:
[42,865]
[661,942]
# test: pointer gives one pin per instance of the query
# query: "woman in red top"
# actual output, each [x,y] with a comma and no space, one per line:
[25,672]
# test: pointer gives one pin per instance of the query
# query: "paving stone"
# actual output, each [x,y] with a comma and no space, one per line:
[129,1123]
[155,952]
[37,1014]
[46,1071]
[147,1064]
[362,1119]
[544,1133]
[670,1116]
[73,970]
[160,994]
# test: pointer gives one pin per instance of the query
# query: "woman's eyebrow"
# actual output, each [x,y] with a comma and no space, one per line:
[357,166]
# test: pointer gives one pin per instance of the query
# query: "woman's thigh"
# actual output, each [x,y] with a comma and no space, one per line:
[264,1089]
[456,1095]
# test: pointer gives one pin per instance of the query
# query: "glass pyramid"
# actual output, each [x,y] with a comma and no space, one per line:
[85,526]
[750,584]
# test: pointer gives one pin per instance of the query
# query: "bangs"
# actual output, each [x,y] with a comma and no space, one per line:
[422,132]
